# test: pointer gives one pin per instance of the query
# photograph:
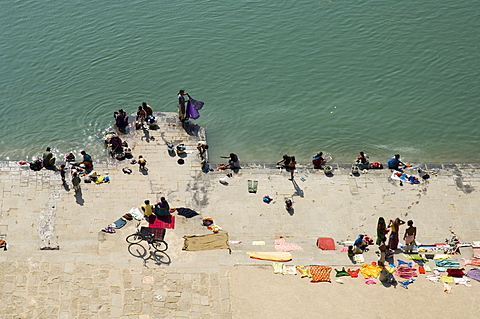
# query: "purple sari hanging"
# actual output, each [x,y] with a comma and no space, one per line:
[192,108]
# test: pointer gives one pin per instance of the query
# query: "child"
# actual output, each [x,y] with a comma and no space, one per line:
[142,162]
[76,182]
[61,170]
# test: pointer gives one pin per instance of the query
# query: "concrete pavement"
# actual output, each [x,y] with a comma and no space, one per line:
[93,275]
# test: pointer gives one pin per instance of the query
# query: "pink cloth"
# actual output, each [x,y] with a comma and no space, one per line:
[282,245]
[471,261]
[167,221]
[370,281]
[406,272]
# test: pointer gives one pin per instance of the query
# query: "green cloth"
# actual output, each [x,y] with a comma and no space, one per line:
[252,186]
[447,263]
[340,273]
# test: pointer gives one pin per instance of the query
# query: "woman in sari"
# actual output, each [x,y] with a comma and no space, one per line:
[382,231]
[394,227]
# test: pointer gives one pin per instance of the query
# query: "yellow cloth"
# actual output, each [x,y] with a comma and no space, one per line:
[414,256]
[446,278]
[303,271]
[424,250]
[390,269]
[273,256]
[148,209]
[370,271]
[442,256]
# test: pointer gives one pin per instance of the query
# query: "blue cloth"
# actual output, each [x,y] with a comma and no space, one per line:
[359,242]
[447,263]
[393,163]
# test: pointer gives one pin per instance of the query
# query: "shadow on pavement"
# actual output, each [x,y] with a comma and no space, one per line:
[79,198]
[158,257]
[298,190]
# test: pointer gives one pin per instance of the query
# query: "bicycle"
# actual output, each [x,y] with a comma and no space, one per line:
[153,236]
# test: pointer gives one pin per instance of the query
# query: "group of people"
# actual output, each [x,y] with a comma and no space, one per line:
[144,116]
[384,232]
[288,162]
[162,208]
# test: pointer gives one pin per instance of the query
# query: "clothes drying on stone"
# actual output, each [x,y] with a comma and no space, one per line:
[471,261]
[320,273]
[447,263]
[341,273]
[272,256]
[304,271]
[370,270]
[474,274]
[353,273]
[186,212]
[282,245]
[406,272]
[453,272]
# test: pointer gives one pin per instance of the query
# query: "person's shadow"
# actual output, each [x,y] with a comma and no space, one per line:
[298,190]
[65,185]
[291,211]
[144,171]
[147,134]
[79,198]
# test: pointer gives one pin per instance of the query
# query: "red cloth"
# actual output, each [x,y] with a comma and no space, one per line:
[458,273]
[326,243]
[421,269]
[353,273]
[167,221]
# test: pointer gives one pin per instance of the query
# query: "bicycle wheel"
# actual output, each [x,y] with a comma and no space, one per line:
[159,245]
[137,250]
[134,239]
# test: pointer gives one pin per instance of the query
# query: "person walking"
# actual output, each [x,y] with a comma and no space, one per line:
[142,162]
[291,167]
[76,182]
[62,171]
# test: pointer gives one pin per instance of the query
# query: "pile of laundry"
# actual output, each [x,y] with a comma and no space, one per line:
[133,213]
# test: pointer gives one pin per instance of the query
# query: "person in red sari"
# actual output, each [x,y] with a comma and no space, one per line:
[394,228]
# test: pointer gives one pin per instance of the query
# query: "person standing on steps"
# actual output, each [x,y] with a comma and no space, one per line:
[142,162]
[382,231]
[394,228]
[285,161]
[409,237]
[291,167]
[76,182]
[181,105]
